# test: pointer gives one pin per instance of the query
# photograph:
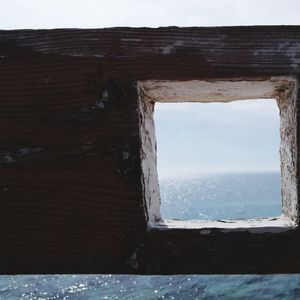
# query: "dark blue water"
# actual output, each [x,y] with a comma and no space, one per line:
[210,197]
[150,287]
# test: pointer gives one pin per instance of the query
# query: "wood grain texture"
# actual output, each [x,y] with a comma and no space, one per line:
[69,184]
[163,53]
[70,169]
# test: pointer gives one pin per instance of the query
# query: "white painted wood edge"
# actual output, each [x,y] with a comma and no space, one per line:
[217,90]
[259,225]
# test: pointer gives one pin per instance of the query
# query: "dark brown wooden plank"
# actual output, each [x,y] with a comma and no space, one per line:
[69,180]
[163,53]
[71,197]
[189,251]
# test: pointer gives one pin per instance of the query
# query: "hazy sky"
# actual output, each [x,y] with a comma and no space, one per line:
[195,138]
[152,13]
[195,129]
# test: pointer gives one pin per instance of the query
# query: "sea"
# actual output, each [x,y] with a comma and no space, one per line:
[209,197]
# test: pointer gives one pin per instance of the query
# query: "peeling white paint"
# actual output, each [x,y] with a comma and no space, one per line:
[25,151]
[13,156]
[148,158]
[282,89]
[132,261]
[130,40]
[167,49]
[170,48]
[77,54]
[102,101]
[288,151]
[205,231]
[259,226]
[6,158]
[288,49]
[214,90]
[125,155]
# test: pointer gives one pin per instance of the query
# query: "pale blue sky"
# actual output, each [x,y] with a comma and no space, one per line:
[193,138]
[19,14]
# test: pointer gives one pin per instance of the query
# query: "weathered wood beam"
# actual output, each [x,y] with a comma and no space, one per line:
[71,195]
[162,53]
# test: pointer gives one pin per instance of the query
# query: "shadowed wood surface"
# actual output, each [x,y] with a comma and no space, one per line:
[145,53]
[70,169]
[69,184]
[190,251]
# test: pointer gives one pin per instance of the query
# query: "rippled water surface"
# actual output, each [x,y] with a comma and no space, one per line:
[150,287]
[205,197]
[221,196]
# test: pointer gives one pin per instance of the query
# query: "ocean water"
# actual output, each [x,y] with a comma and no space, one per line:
[202,197]
[225,287]
[221,196]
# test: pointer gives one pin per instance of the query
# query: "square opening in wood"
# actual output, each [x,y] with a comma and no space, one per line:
[282,89]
